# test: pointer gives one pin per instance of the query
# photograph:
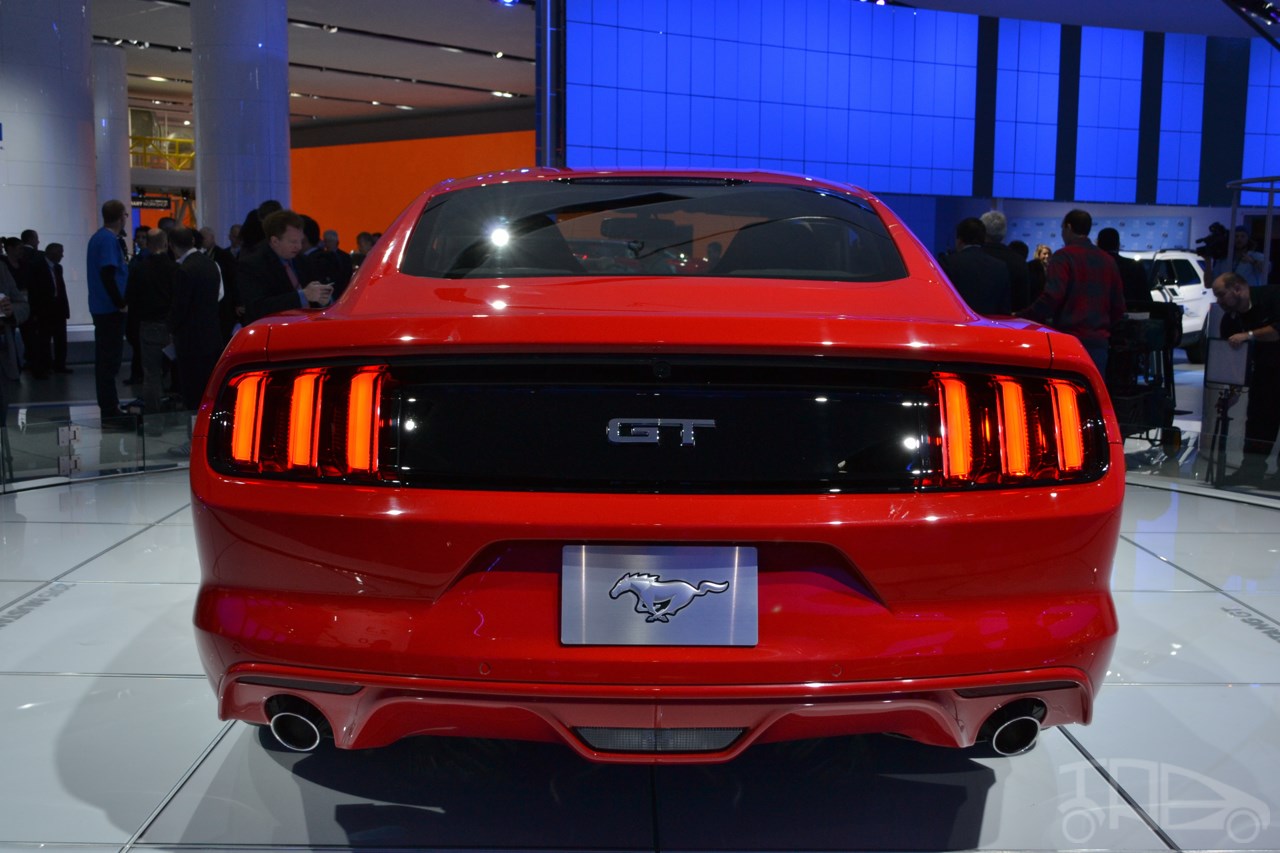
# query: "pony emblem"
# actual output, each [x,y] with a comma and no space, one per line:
[659,600]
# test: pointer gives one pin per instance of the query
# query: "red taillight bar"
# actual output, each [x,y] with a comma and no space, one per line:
[1066,418]
[362,420]
[324,421]
[245,428]
[304,420]
[1000,429]
[957,435]
[1016,452]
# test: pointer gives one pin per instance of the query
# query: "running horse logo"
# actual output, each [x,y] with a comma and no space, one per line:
[659,600]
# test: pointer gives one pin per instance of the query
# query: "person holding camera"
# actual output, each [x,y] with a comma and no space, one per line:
[1250,264]
[1252,319]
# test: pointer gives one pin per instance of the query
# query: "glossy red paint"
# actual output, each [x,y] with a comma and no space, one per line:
[918,613]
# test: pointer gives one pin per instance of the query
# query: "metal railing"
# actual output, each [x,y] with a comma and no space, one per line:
[173,154]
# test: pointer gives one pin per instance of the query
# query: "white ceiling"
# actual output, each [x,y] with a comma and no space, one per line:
[436,56]
[429,55]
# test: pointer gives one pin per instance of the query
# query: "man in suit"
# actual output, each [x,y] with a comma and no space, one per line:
[251,233]
[14,311]
[273,278]
[150,299]
[229,307]
[1137,290]
[193,318]
[32,275]
[341,263]
[997,226]
[981,280]
[50,310]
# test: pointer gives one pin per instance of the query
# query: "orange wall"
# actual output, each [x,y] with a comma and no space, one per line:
[364,187]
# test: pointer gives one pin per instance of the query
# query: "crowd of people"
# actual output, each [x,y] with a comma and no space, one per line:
[173,295]
[33,311]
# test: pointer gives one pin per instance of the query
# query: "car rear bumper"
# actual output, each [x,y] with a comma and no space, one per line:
[401,612]
[365,711]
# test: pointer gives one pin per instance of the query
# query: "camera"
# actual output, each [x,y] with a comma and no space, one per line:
[1215,244]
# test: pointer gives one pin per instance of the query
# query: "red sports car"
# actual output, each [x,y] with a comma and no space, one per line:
[659,465]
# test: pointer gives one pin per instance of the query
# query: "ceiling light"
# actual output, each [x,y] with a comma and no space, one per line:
[159,79]
[403,107]
[295,95]
[186,123]
[498,55]
[503,95]
[1266,12]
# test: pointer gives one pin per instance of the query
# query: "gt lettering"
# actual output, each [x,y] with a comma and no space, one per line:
[649,430]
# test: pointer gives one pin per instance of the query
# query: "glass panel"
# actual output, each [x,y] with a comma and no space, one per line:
[45,444]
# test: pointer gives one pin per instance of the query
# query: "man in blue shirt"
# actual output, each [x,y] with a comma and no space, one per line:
[107,273]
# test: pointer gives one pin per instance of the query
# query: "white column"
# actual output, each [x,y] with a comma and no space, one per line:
[240,82]
[111,122]
[46,132]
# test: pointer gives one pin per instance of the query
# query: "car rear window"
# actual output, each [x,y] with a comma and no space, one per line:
[679,227]
[1172,271]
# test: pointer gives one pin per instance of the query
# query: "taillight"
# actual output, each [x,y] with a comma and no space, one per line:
[995,429]
[1066,417]
[316,421]
[957,435]
[246,420]
[362,421]
[453,425]
[304,420]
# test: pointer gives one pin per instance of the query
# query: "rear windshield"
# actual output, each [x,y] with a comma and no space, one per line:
[590,227]
[1171,271]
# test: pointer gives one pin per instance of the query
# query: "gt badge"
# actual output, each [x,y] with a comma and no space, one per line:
[649,430]
[659,600]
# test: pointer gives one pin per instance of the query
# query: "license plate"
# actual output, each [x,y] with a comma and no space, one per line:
[668,595]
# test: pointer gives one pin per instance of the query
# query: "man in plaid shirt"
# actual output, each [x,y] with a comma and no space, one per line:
[1083,293]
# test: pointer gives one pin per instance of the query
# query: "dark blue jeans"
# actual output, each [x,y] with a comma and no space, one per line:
[108,353]
[1098,349]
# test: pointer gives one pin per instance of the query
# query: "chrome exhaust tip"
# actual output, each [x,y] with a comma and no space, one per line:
[295,731]
[1014,728]
[296,724]
[1015,736]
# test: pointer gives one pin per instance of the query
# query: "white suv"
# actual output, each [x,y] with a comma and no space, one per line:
[1178,276]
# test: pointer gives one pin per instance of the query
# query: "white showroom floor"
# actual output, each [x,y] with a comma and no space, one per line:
[109,738]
